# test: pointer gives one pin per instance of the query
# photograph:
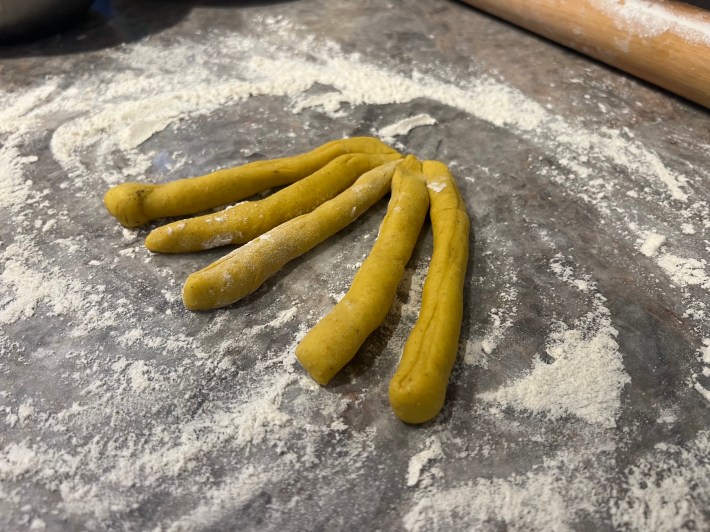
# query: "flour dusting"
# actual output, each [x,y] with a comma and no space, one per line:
[684,271]
[404,126]
[420,460]
[652,244]
[156,418]
[585,374]
[645,18]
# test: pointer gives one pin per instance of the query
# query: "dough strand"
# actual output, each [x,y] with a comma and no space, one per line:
[418,388]
[336,338]
[135,204]
[246,268]
[245,221]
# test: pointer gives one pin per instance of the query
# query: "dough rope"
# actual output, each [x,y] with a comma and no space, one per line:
[336,338]
[418,388]
[245,221]
[135,204]
[246,268]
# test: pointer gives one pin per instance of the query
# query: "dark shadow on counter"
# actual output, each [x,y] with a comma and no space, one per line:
[113,23]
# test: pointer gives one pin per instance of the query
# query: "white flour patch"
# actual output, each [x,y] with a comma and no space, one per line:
[141,376]
[704,356]
[16,460]
[705,351]
[651,244]
[687,229]
[513,501]
[702,391]
[436,187]
[420,460]
[684,271]
[564,272]
[281,319]
[586,373]
[584,379]
[645,18]
[486,100]
[230,496]
[404,126]
[28,282]
[16,190]
[150,102]
[667,490]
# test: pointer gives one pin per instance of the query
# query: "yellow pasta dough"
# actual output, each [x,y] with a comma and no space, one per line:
[418,388]
[247,220]
[329,188]
[245,269]
[135,204]
[334,341]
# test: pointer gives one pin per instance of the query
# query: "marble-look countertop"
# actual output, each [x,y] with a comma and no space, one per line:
[579,399]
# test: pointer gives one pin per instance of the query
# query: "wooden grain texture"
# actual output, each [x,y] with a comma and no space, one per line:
[666,43]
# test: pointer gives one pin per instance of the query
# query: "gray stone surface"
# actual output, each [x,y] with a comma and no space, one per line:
[125,411]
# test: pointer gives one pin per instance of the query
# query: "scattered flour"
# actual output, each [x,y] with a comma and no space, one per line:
[404,126]
[281,319]
[231,496]
[564,272]
[687,229]
[652,244]
[684,271]
[584,379]
[500,319]
[667,490]
[702,391]
[586,375]
[28,282]
[705,351]
[436,187]
[150,103]
[420,460]
[16,190]
[512,502]
[645,18]
[141,418]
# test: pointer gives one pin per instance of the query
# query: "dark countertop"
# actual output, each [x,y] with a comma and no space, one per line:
[579,399]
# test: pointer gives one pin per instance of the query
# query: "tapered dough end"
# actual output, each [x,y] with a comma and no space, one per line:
[158,241]
[125,203]
[171,238]
[415,402]
[314,362]
[200,293]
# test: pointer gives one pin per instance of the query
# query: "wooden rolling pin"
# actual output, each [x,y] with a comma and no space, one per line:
[664,42]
